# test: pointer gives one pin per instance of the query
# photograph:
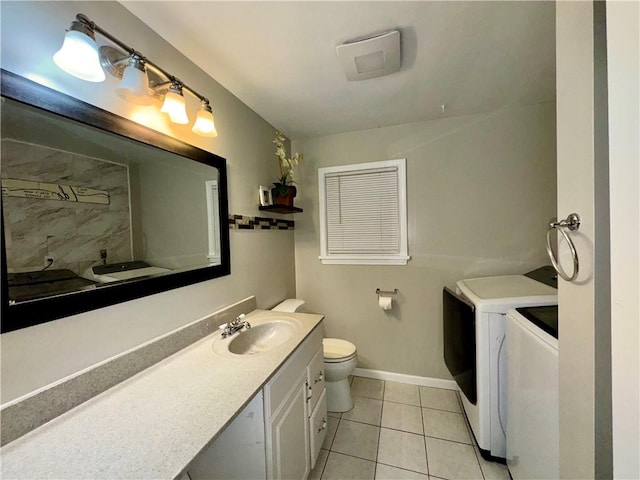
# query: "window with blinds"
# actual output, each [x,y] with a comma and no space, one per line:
[363,213]
[213,216]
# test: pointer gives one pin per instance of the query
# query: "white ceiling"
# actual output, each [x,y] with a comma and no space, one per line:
[280,58]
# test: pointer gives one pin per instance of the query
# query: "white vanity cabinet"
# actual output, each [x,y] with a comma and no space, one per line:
[239,450]
[287,419]
[296,412]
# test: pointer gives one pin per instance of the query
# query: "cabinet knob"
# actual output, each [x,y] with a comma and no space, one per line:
[324,424]
[320,378]
[309,391]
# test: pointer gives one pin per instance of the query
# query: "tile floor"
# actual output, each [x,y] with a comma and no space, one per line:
[404,432]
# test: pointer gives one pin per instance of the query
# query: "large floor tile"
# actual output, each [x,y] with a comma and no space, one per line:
[332,427]
[403,417]
[365,410]
[440,398]
[445,425]
[402,450]
[367,387]
[356,439]
[452,460]
[344,467]
[316,473]
[401,393]
[385,472]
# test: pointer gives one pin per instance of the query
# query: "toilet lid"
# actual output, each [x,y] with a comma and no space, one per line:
[336,349]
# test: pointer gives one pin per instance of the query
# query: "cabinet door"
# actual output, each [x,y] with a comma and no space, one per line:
[315,378]
[289,435]
[318,427]
[239,450]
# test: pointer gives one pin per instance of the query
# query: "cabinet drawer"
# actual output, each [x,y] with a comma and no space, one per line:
[318,426]
[315,378]
[279,386]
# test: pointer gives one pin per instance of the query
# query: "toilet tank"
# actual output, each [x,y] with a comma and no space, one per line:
[290,305]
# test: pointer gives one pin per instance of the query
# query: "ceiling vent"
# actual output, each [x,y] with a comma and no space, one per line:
[371,57]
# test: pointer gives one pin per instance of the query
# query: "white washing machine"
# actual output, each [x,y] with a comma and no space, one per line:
[532,362]
[474,332]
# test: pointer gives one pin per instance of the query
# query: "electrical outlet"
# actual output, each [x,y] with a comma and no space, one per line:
[48,260]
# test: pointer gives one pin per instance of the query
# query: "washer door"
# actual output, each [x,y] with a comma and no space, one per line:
[459,329]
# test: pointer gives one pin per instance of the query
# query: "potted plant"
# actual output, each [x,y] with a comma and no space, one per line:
[284,191]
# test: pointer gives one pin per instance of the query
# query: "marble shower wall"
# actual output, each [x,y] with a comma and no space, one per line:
[72,233]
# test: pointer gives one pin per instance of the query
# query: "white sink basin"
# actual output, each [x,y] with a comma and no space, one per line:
[261,338]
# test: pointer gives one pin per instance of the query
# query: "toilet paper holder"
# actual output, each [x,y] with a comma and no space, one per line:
[386,293]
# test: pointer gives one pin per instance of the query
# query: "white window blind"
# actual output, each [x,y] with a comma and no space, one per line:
[363,213]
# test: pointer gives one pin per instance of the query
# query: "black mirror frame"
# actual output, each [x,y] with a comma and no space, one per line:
[38,311]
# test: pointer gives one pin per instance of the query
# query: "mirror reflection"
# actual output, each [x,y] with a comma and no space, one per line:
[86,209]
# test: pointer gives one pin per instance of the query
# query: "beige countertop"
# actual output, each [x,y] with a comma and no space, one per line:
[152,425]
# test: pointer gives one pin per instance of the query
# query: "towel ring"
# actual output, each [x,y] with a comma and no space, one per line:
[571,223]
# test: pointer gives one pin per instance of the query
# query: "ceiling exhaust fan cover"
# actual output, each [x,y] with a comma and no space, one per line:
[371,57]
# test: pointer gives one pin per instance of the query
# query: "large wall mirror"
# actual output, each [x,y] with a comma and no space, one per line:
[98,210]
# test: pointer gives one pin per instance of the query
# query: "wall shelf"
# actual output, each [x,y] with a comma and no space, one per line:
[280,209]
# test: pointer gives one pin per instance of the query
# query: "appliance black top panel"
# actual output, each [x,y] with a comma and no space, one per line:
[546,275]
[545,318]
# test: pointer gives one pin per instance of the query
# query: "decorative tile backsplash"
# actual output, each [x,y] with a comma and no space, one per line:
[243,222]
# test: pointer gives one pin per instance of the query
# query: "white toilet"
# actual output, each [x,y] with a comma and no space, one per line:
[340,359]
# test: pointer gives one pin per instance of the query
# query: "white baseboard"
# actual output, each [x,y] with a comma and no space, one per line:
[410,379]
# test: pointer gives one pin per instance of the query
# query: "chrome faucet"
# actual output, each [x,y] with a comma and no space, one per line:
[238,324]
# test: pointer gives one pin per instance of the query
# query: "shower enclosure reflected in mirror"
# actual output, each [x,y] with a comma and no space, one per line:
[97,209]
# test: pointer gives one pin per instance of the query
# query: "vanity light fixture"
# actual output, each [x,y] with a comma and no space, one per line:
[78,55]
[134,86]
[141,78]
[204,124]
[174,104]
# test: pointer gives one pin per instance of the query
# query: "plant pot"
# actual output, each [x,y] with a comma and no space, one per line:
[283,195]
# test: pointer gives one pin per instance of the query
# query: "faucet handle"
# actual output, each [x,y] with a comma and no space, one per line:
[240,317]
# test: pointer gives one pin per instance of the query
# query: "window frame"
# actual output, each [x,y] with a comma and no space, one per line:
[400,258]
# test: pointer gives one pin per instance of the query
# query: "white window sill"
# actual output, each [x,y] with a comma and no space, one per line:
[364,260]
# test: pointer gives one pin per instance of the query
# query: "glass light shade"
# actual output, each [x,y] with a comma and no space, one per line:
[79,57]
[204,123]
[175,107]
[134,86]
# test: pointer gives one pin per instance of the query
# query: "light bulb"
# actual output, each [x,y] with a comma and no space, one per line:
[134,86]
[204,124]
[78,55]
[174,105]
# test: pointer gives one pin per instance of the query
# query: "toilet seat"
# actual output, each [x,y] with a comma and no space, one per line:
[337,351]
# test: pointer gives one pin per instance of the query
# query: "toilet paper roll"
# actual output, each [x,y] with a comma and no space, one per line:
[385,303]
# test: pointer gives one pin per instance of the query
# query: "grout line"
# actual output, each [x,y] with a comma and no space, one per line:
[335,434]
[446,411]
[447,440]
[402,468]
[472,438]
[325,464]
[353,456]
[442,410]
[477,453]
[424,438]
[403,431]
[402,403]
[375,468]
